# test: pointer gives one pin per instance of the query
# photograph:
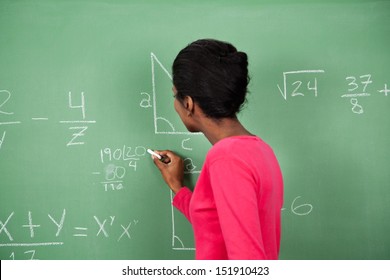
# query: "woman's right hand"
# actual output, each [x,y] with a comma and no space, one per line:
[171,168]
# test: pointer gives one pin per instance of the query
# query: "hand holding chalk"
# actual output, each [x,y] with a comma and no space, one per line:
[163,159]
[171,167]
[154,154]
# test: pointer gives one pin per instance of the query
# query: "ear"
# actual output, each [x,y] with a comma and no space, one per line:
[189,104]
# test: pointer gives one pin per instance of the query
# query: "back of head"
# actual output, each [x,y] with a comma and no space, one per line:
[214,74]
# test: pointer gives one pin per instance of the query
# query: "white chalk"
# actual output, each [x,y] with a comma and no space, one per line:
[154,154]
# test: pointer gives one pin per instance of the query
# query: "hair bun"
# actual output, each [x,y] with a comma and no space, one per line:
[241,57]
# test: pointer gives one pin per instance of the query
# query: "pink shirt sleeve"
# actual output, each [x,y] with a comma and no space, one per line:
[236,201]
[181,201]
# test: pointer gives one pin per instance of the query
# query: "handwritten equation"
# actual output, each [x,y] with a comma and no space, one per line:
[117,163]
[104,227]
[77,127]
[303,83]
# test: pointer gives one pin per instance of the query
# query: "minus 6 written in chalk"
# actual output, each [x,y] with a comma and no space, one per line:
[163,159]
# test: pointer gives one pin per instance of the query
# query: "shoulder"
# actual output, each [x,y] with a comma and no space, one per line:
[237,148]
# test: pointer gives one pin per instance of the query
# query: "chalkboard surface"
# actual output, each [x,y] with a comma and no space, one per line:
[85,89]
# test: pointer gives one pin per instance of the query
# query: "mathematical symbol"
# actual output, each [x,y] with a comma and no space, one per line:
[356,108]
[40,119]
[32,252]
[125,232]
[284,91]
[76,135]
[82,229]
[30,225]
[82,106]
[3,227]
[77,121]
[101,227]
[112,219]
[83,121]
[385,90]
[185,147]
[60,224]
[8,96]
[362,94]
[7,123]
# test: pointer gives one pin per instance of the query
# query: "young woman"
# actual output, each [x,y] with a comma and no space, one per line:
[235,208]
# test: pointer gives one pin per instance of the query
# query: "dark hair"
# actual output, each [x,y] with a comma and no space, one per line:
[214,74]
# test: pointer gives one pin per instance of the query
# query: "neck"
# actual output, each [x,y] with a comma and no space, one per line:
[223,128]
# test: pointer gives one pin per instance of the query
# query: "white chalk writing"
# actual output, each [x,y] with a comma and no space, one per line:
[300,88]
[106,226]
[79,131]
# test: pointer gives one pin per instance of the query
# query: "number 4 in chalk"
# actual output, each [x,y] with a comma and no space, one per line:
[81,106]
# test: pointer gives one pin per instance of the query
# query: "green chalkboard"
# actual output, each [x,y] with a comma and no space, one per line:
[85,89]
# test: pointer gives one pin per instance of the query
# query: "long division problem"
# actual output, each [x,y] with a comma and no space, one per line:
[117,162]
[78,127]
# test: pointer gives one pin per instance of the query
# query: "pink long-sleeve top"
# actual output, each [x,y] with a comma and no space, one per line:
[235,208]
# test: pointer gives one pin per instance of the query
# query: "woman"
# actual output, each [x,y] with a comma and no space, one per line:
[236,204]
